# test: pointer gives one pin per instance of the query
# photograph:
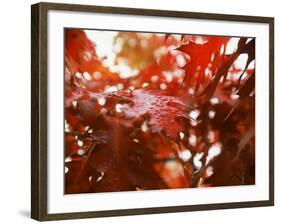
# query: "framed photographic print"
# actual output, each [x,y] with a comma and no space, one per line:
[138,111]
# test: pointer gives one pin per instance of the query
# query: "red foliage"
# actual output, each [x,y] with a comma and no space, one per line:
[172,125]
[202,56]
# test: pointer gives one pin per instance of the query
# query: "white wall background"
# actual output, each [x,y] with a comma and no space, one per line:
[15,111]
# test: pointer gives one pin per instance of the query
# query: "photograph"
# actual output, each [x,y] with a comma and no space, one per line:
[145,111]
[157,111]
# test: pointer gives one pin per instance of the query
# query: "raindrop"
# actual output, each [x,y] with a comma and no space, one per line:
[66,169]
[192,140]
[213,151]
[252,94]
[211,114]
[213,57]
[80,142]
[81,152]
[196,160]
[181,135]
[68,159]
[102,111]
[185,155]
[97,75]
[191,91]
[168,76]
[145,84]
[120,86]
[208,72]
[163,86]
[194,114]
[78,75]
[154,78]
[209,171]
[101,101]
[211,136]
[66,126]
[222,50]
[109,89]
[100,177]
[144,127]
[87,56]
[180,60]
[118,107]
[74,103]
[90,178]
[87,76]
[234,96]
[193,123]
[214,100]
[136,140]
[179,73]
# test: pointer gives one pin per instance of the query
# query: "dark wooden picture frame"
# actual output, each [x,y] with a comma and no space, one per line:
[39,106]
